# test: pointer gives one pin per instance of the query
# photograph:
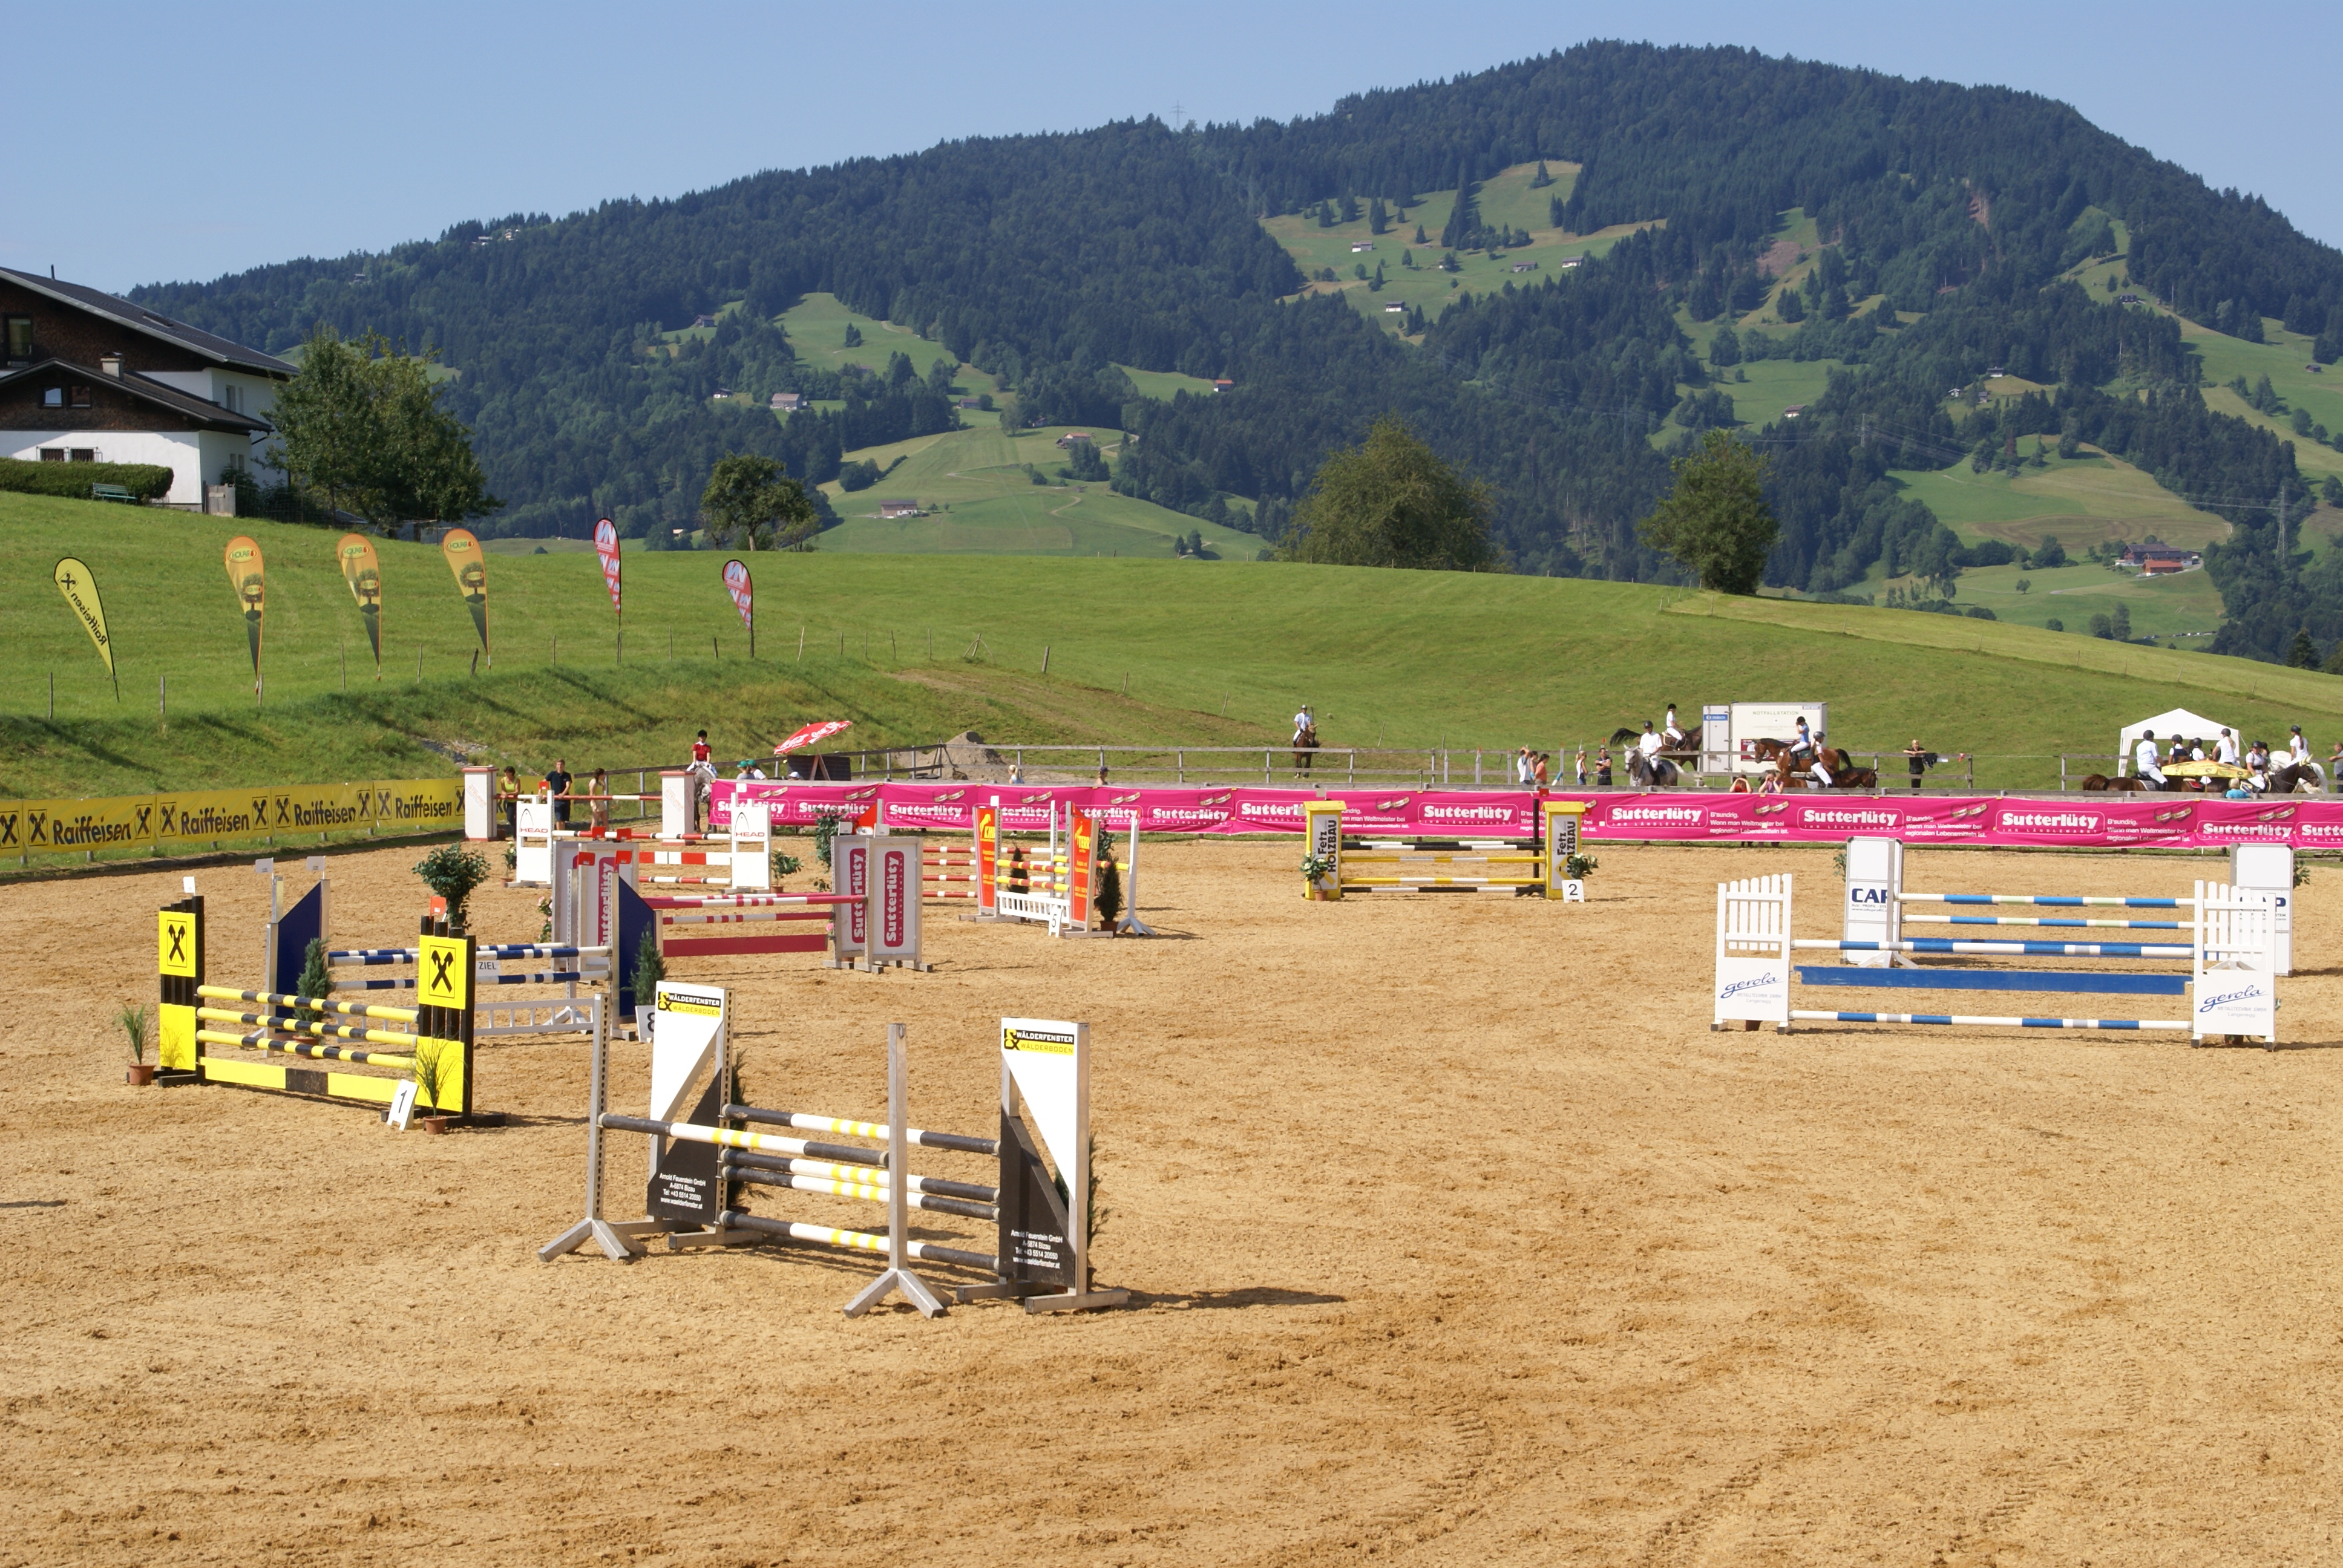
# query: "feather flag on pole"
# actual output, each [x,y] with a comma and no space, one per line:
[362,570]
[79,584]
[464,559]
[606,545]
[247,576]
[744,600]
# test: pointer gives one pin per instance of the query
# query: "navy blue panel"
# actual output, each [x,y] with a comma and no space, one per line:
[636,920]
[302,924]
[1998,980]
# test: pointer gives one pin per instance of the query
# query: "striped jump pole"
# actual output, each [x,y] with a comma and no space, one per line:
[2047,902]
[297,1026]
[1951,945]
[854,1240]
[873,1191]
[263,1040]
[2049,920]
[864,1175]
[1984,1022]
[315,1004]
[920,1136]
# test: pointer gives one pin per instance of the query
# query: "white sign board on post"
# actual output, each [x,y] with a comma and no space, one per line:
[1755,722]
[1874,876]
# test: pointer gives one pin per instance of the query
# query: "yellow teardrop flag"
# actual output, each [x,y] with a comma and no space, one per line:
[79,584]
[363,571]
[464,559]
[244,575]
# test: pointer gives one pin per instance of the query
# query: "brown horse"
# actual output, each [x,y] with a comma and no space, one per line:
[2124,784]
[1839,765]
[1305,751]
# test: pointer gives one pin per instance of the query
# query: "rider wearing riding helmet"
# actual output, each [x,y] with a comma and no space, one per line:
[2143,759]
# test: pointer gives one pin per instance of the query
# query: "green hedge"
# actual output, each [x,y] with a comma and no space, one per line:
[145,480]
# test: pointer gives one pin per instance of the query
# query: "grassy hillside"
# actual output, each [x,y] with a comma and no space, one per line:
[1505,198]
[982,501]
[1407,657]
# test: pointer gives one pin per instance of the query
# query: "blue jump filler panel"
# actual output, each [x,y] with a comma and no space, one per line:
[1998,980]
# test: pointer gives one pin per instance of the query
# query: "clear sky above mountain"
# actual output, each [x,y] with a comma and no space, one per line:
[184,152]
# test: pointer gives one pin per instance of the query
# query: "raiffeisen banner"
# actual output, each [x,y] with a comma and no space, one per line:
[2092,821]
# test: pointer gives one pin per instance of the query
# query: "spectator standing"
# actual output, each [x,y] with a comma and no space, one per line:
[1542,769]
[597,807]
[509,785]
[1918,759]
[1581,765]
[559,782]
[1602,766]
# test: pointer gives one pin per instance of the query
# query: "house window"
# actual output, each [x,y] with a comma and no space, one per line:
[81,396]
[53,398]
[53,454]
[20,337]
[85,454]
[232,397]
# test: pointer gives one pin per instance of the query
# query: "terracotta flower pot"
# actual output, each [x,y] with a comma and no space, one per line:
[435,1125]
[138,1072]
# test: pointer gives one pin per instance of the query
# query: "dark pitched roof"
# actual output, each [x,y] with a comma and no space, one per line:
[144,390]
[140,320]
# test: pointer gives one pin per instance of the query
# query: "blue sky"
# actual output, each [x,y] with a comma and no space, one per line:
[188,146]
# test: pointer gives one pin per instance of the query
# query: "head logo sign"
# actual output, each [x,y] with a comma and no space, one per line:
[175,947]
[445,979]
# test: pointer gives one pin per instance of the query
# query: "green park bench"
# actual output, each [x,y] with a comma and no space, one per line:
[111,493]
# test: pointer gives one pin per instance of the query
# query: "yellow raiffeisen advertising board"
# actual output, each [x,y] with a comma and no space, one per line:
[173,818]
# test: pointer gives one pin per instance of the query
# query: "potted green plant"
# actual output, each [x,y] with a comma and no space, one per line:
[452,871]
[785,865]
[1315,868]
[1109,892]
[1575,869]
[133,1022]
[316,980]
[430,1079]
[649,969]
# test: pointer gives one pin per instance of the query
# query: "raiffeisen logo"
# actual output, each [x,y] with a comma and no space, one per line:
[1468,813]
[2054,821]
[1688,816]
[1845,817]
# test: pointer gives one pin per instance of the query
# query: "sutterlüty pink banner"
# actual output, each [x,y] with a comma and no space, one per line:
[2083,821]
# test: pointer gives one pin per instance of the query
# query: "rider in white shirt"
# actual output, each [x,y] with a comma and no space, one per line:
[2143,759]
[1814,769]
[2225,748]
[1649,743]
[2299,756]
[1669,728]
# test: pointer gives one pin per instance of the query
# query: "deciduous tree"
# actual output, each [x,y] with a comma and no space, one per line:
[754,500]
[1392,502]
[1715,522]
[362,425]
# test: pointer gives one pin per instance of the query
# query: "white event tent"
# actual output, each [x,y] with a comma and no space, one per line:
[2176,721]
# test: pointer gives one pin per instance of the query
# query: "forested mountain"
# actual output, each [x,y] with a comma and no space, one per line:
[1046,260]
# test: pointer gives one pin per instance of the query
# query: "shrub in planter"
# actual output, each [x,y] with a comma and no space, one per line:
[452,871]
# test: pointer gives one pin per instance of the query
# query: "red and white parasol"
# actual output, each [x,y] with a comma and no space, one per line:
[820,730]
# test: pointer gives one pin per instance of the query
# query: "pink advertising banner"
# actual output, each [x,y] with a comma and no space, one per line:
[2089,821]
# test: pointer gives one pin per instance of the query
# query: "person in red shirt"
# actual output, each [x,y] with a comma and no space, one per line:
[700,752]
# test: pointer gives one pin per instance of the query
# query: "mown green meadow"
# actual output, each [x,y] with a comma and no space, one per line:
[1211,653]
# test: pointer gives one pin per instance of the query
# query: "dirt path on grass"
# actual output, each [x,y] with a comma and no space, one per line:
[1456,1238]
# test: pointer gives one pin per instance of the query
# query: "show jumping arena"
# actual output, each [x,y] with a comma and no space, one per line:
[1453,1234]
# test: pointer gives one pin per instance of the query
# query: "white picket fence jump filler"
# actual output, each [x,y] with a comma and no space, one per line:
[2232,984]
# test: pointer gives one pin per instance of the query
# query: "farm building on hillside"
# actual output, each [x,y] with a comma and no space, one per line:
[1394,308]
[703,321]
[1525,266]
[2156,560]
[1222,385]
[898,508]
[1794,410]
[1570,261]
[1359,245]
[787,402]
[1071,437]
[91,378]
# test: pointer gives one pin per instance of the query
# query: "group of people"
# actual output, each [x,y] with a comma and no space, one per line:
[561,783]
[2257,762]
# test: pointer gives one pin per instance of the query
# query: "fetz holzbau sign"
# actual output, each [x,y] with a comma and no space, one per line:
[173,818]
